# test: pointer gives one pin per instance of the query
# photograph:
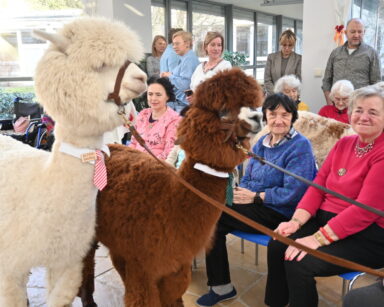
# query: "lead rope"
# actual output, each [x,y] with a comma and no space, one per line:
[314,252]
[311,183]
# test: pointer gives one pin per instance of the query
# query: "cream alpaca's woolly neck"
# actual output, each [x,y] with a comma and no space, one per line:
[77,152]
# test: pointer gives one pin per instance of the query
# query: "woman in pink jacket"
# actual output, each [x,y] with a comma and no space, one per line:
[354,168]
[157,124]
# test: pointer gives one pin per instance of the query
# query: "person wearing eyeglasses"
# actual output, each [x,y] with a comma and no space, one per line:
[283,62]
[181,75]
[322,221]
[339,95]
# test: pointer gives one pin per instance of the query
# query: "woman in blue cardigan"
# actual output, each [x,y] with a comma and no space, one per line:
[265,194]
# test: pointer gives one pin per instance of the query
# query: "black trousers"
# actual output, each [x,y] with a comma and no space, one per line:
[293,281]
[217,259]
[372,296]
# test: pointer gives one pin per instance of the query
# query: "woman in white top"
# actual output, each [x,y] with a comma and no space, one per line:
[213,47]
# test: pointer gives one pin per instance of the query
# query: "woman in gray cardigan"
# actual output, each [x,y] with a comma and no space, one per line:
[283,62]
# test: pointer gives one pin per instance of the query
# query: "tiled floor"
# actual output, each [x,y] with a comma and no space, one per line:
[248,278]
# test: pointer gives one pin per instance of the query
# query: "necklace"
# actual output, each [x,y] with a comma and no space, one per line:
[362,151]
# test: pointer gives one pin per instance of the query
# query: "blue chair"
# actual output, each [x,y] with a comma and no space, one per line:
[348,281]
[258,239]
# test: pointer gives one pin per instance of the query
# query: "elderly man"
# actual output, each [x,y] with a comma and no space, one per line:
[354,61]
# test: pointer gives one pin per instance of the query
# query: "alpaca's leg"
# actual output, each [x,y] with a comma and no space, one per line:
[13,290]
[63,285]
[140,289]
[173,286]
[88,281]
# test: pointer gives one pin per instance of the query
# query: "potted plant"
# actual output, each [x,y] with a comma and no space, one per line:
[235,58]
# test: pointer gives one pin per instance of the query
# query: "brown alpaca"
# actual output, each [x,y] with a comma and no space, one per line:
[152,225]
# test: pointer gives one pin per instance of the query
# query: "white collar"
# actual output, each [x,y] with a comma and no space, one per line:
[208,170]
[82,153]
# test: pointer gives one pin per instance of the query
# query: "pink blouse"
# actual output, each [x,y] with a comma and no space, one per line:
[160,135]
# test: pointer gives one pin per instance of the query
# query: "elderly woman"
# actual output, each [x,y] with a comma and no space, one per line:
[157,124]
[354,168]
[153,61]
[283,62]
[265,194]
[339,95]
[181,75]
[291,86]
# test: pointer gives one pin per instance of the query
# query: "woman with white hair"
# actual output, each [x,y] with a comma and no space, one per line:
[339,95]
[353,168]
[290,85]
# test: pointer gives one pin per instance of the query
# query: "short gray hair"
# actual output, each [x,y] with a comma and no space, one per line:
[288,80]
[342,87]
[365,92]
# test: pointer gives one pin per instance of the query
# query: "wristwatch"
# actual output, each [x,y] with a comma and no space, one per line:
[257,200]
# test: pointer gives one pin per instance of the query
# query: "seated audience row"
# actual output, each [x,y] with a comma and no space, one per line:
[322,221]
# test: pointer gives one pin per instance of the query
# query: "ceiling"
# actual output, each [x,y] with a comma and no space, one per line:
[288,8]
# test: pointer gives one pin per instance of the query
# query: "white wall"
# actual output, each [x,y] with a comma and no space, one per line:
[319,20]
[137,15]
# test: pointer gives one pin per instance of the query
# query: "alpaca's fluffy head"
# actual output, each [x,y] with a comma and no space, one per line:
[220,114]
[228,91]
[79,69]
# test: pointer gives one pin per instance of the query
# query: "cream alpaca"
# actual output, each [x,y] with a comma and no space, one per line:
[47,200]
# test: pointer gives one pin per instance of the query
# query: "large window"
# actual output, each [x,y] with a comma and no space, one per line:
[299,37]
[19,50]
[372,14]
[205,18]
[243,34]
[179,15]
[158,18]
[266,42]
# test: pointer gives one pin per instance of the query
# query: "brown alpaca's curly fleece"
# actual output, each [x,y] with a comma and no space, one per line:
[152,225]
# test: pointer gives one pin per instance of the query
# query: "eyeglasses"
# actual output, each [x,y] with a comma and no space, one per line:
[341,99]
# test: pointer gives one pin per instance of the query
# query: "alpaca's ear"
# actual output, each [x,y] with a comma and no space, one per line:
[58,40]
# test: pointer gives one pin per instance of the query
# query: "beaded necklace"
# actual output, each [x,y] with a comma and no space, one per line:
[362,151]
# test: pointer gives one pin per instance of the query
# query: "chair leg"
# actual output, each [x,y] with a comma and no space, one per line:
[194,263]
[256,254]
[344,289]
[242,246]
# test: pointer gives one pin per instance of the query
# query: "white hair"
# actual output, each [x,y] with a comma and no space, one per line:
[344,88]
[365,92]
[288,80]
